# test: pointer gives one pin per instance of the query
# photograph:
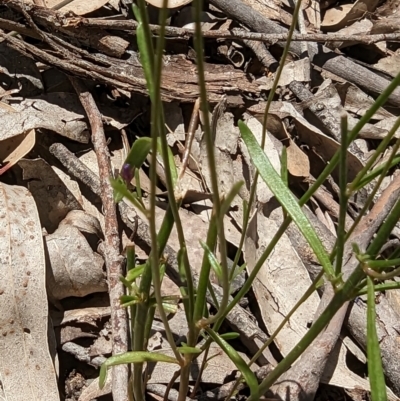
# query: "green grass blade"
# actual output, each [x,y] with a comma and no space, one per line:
[248,375]
[285,197]
[375,370]
[213,260]
[146,50]
[132,357]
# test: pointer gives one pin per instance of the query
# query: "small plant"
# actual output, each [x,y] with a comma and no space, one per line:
[143,282]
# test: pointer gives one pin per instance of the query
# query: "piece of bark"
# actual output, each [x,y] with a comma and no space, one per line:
[179,75]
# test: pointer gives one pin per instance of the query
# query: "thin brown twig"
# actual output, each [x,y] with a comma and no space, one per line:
[184,33]
[112,255]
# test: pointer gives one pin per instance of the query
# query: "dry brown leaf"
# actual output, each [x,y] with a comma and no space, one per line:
[309,134]
[283,278]
[362,27]
[26,368]
[293,71]
[74,269]
[79,7]
[389,64]
[338,374]
[342,15]
[14,148]
[281,282]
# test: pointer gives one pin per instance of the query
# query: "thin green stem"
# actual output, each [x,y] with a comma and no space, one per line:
[343,198]
[199,47]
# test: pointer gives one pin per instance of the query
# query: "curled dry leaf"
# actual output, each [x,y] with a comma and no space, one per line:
[16,147]
[26,368]
[74,269]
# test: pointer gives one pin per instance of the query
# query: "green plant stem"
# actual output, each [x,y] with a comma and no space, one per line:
[158,130]
[199,47]
[343,198]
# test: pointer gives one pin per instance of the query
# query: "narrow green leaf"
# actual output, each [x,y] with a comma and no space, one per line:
[125,282]
[121,191]
[285,197]
[189,350]
[284,167]
[213,260]
[132,357]
[172,165]
[248,375]
[133,274]
[146,52]
[138,153]
[374,173]
[375,370]
[128,300]
[230,336]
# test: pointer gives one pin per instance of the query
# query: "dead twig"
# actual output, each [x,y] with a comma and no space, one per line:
[184,33]
[112,255]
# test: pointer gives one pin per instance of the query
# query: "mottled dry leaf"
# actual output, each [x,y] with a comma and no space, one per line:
[389,64]
[281,282]
[16,147]
[26,368]
[283,278]
[362,27]
[74,269]
[311,135]
[93,391]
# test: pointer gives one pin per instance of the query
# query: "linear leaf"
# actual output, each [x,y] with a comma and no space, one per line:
[285,197]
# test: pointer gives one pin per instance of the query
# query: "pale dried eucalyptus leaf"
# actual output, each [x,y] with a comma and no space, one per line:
[26,368]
